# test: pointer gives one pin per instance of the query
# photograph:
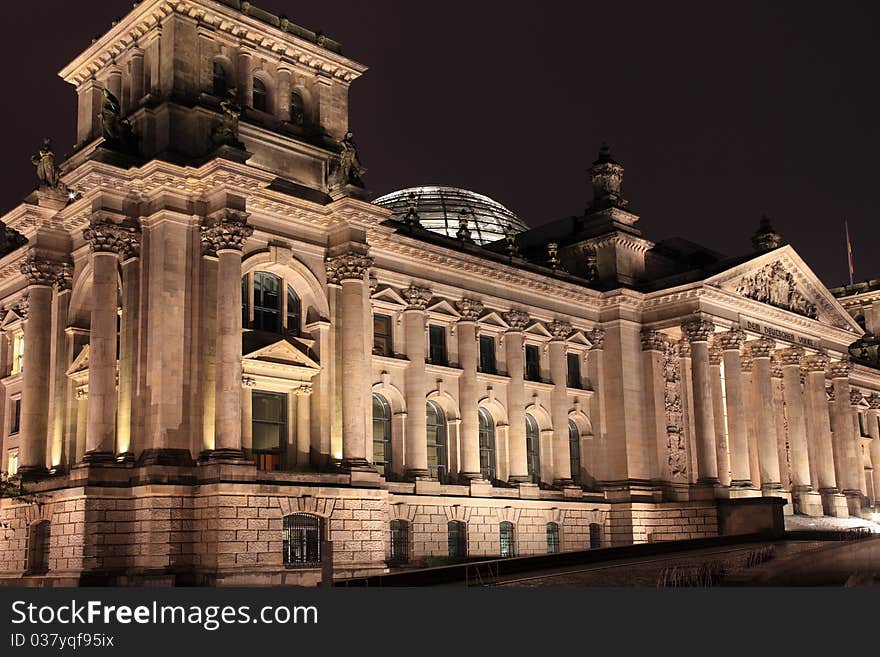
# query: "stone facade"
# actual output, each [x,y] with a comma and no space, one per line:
[218,360]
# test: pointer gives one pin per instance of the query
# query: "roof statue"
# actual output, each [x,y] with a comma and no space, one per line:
[766,238]
[226,133]
[117,131]
[47,171]
[349,168]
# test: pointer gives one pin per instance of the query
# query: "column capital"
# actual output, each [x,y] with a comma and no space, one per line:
[417,297]
[107,237]
[697,329]
[559,330]
[248,381]
[840,369]
[470,309]
[775,367]
[761,348]
[814,363]
[229,232]
[596,337]
[873,401]
[856,398]
[653,340]
[791,356]
[348,267]
[731,340]
[517,319]
[40,271]
[64,278]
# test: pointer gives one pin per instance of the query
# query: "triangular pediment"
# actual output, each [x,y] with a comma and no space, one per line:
[579,337]
[443,307]
[10,318]
[390,296]
[536,328]
[282,352]
[782,279]
[81,362]
[494,319]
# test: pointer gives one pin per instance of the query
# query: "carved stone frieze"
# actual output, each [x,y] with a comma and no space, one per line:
[227,234]
[654,341]
[697,330]
[417,298]
[776,286]
[596,337]
[873,400]
[517,319]
[108,237]
[470,309]
[676,449]
[347,267]
[559,330]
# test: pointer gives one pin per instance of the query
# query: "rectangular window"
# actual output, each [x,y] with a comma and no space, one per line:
[437,342]
[269,429]
[12,462]
[487,354]
[382,342]
[574,371]
[16,416]
[533,363]
[862,431]
[18,353]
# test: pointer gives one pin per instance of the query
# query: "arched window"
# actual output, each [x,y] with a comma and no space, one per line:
[487,445]
[533,449]
[294,312]
[261,96]
[399,542]
[595,535]
[508,541]
[297,108]
[552,538]
[436,425]
[38,548]
[457,539]
[574,450]
[301,536]
[221,80]
[381,435]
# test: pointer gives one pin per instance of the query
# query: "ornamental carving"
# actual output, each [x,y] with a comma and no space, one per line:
[731,340]
[747,364]
[715,355]
[815,363]
[228,234]
[653,341]
[596,338]
[470,309]
[517,319]
[697,330]
[21,307]
[775,286]
[761,348]
[64,278]
[829,393]
[417,298]
[40,272]
[840,369]
[348,267]
[856,398]
[790,356]
[559,330]
[775,367]
[107,237]
[10,239]
[873,400]
[676,450]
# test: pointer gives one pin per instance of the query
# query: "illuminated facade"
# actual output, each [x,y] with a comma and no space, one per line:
[217,356]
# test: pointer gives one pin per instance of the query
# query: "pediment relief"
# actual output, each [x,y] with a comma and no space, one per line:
[443,307]
[578,337]
[390,296]
[282,352]
[492,318]
[80,363]
[537,328]
[781,279]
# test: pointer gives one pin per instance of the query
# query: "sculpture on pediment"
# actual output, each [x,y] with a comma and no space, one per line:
[776,286]
[117,131]
[47,172]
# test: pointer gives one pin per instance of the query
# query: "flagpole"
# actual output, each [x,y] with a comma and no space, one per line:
[849,254]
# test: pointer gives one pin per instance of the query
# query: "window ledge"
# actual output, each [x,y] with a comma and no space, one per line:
[443,369]
[396,360]
[497,378]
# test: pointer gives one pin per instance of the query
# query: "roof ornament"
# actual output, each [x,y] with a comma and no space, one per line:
[511,247]
[464,231]
[553,255]
[606,176]
[411,218]
[591,263]
[349,168]
[766,238]
[47,171]
[118,133]
[226,134]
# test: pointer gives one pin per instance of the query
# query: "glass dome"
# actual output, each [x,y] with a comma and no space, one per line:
[438,209]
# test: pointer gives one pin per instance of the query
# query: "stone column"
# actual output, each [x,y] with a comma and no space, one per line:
[245,76]
[350,269]
[128,337]
[874,431]
[60,355]
[283,95]
[858,458]
[109,242]
[137,76]
[721,444]
[768,452]
[697,332]
[779,422]
[415,382]
[654,346]
[559,403]
[516,396]
[40,276]
[844,438]
[226,237]
[740,471]
[790,359]
[248,383]
[814,368]
[303,426]
[469,398]
[749,402]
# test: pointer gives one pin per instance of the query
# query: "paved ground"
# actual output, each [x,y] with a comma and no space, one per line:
[803,523]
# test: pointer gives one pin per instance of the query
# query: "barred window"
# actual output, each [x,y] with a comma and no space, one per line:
[37,553]
[595,535]
[574,442]
[301,537]
[533,363]
[508,541]
[399,542]
[381,435]
[552,538]
[487,445]
[533,450]
[457,538]
[436,429]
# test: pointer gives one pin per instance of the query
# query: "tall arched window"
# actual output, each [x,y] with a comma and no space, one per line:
[533,449]
[456,532]
[552,538]
[508,540]
[37,548]
[381,436]
[436,425]
[574,450]
[487,445]
[261,96]
[221,80]
[297,108]
[301,536]
[267,302]
[399,542]
[294,312]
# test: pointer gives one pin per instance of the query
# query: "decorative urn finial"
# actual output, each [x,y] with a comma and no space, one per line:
[606,176]
[766,238]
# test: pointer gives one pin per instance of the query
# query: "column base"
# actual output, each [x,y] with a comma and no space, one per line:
[469,476]
[529,491]
[125,457]
[808,503]
[743,483]
[480,488]
[853,502]
[740,492]
[776,490]
[99,457]
[834,503]
[562,483]
[214,456]
[417,474]
[516,480]
[357,464]
[32,472]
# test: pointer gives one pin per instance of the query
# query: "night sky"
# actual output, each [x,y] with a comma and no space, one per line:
[719,111]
